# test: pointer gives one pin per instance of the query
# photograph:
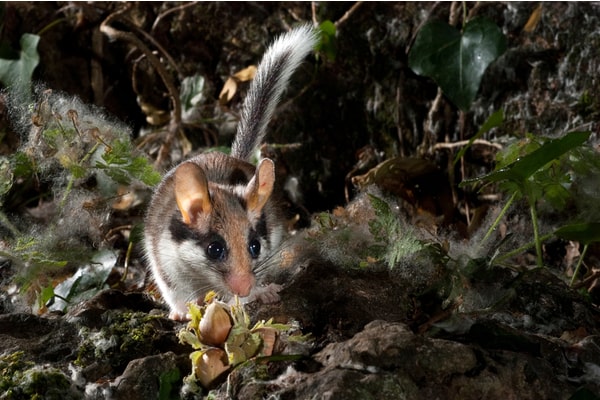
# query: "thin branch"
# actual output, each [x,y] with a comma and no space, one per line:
[161,49]
[461,143]
[114,34]
[429,134]
[170,11]
[348,13]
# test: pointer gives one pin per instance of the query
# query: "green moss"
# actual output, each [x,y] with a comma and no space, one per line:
[126,336]
[12,365]
[47,383]
[21,379]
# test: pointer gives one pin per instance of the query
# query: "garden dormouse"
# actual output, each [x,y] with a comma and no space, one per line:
[213,222]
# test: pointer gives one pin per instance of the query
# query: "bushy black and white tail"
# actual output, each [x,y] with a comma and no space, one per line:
[274,71]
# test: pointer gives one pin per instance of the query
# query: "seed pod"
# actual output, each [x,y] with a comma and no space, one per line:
[210,366]
[215,325]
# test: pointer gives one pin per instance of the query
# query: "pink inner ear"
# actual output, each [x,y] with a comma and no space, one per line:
[259,189]
[191,192]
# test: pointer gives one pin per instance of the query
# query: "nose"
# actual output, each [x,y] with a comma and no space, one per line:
[241,283]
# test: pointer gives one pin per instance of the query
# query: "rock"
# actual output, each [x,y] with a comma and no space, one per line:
[145,378]
[387,360]
[44,339]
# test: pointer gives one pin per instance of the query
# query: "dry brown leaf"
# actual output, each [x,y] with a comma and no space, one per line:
[534,19]
[126,199]
[230,87]
[228,91]
[247,74]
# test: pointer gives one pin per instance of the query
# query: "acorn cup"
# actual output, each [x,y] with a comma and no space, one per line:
[215,325]
[269,338]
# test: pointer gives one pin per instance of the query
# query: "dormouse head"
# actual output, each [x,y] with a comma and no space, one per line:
[227,221]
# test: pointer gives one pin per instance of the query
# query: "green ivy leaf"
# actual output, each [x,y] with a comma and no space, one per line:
[17,73]
[583,233]
[525,166]
[455,61]
[192,88]
[327,45]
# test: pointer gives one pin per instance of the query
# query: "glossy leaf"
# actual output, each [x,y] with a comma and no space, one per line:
[327,44]
[583,233]
[525,166]
[457,61]
[17,73]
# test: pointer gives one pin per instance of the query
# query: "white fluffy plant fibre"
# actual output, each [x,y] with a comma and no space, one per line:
[346,236]
[61,140]
[58,131]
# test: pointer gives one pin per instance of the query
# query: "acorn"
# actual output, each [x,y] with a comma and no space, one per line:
[211,366]
[215,325]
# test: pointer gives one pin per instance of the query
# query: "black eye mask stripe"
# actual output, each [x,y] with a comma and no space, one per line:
[180,233]
[261,227]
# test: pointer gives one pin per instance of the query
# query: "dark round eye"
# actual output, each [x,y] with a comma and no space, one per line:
[215,251]
[254,248]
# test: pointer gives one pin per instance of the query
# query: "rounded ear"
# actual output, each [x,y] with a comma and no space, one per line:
[260,187]
[191,192]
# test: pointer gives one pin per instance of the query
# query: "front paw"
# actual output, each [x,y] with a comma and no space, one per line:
[269,294]
[265,294]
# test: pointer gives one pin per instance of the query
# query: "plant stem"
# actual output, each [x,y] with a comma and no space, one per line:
[521,249]
[72,177]
[51,25]
[498,218]
[536,234]
[585,247]
[9,225]
[61,205]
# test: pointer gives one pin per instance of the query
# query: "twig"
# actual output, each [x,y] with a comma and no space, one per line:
[429,136]
[161,49]
[455,8]
[348,13]
[461,143]
[399,96]
[96,76]
[175,124]
[170,11]
[587,281]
